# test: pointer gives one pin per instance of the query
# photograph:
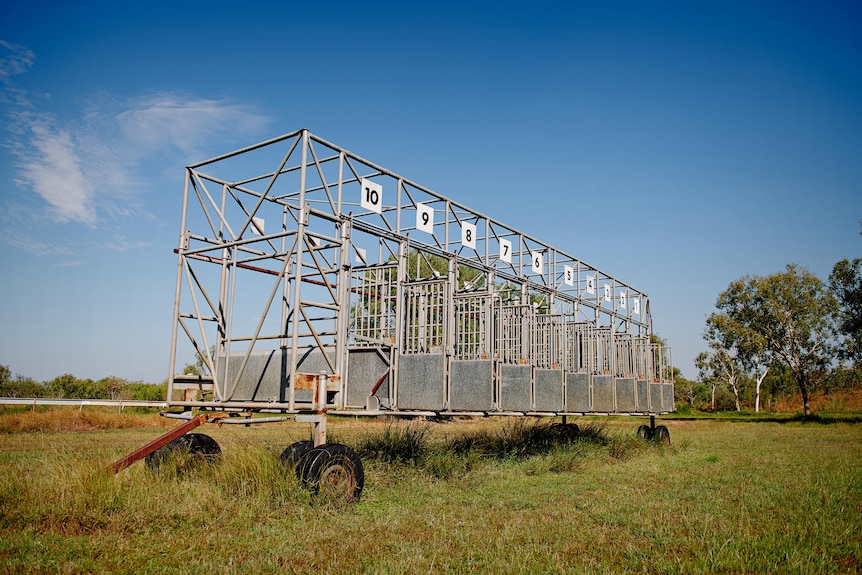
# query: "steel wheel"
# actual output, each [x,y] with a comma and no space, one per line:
[334,471]
[185,450]
[294,453]
[662,434]
[645,432]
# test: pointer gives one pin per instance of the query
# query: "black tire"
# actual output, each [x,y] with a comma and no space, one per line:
[204,446]
[566,432]
[185,449]
[645,432]
[662,434]
[334,471]
[294,453]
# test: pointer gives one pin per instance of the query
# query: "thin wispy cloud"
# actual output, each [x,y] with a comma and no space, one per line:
[184,122]
[15,59]
[51,167]
[98,166]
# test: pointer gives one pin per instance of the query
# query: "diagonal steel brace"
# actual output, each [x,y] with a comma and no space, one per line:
[157,443]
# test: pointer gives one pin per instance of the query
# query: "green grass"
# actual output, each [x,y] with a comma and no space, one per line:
[726,497]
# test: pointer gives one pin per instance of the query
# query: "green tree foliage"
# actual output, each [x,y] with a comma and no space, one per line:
[846,283]
[18,385]
[787,317]
[138,391]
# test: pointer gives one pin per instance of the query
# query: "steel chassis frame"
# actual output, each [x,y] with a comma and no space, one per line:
[322,254]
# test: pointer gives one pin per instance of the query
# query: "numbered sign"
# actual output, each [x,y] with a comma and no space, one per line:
[569,275]
[505,251]
[591,285]
[636,306]
[425,218]
[360,256]
[468,235]
[607,292]
[257,226]
[372,196]
[538,261]
[623,298]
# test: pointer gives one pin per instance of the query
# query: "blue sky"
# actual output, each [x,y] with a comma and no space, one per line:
[677,146]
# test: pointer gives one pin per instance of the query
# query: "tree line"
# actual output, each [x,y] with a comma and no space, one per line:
[786,333]
[67,386]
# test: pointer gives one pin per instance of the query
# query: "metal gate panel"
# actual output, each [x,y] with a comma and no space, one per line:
[266,377]
[549,390]
[603,393]
[578,392]
[421,382]
[471,326]
[643,395]
[626,401]
[512,336]
[373,302]
[655,393]
[426,317]
[471,386]
[365,367]
[516,387]
[667,403]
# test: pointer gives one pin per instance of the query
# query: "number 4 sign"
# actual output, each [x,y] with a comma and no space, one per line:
[372,196]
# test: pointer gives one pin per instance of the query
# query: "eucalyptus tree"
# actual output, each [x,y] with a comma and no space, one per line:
[787,316]
[846,282]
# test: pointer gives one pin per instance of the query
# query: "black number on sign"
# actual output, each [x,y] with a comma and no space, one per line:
[424,218]
[468,234]
[537,263]
[371,196]
[505,249]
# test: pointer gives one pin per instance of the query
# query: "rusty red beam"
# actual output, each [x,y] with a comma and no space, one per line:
[161,441]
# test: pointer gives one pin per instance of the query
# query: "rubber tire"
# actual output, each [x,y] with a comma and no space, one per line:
[334,472]
[204,446]
[645,432]
[197,444]
[662,434]
[566,431]
[293,453]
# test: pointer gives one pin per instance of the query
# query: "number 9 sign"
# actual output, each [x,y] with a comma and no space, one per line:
[425,218]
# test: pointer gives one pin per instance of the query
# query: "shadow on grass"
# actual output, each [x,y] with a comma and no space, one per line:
[820,418]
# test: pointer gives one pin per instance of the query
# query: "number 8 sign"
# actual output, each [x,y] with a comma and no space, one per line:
[372,196]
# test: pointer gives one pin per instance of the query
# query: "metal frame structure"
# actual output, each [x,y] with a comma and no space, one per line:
[310,280]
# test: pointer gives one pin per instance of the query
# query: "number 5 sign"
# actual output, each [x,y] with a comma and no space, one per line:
[372,196]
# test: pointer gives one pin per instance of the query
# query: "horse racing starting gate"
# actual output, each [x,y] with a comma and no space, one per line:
[312,281]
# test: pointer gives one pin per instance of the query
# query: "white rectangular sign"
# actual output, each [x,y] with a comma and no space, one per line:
[569,275]
[505,251]
[468,235]
[538,261]
[372,196]
[425,218]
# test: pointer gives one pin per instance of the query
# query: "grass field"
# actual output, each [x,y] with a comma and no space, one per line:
[725,497]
